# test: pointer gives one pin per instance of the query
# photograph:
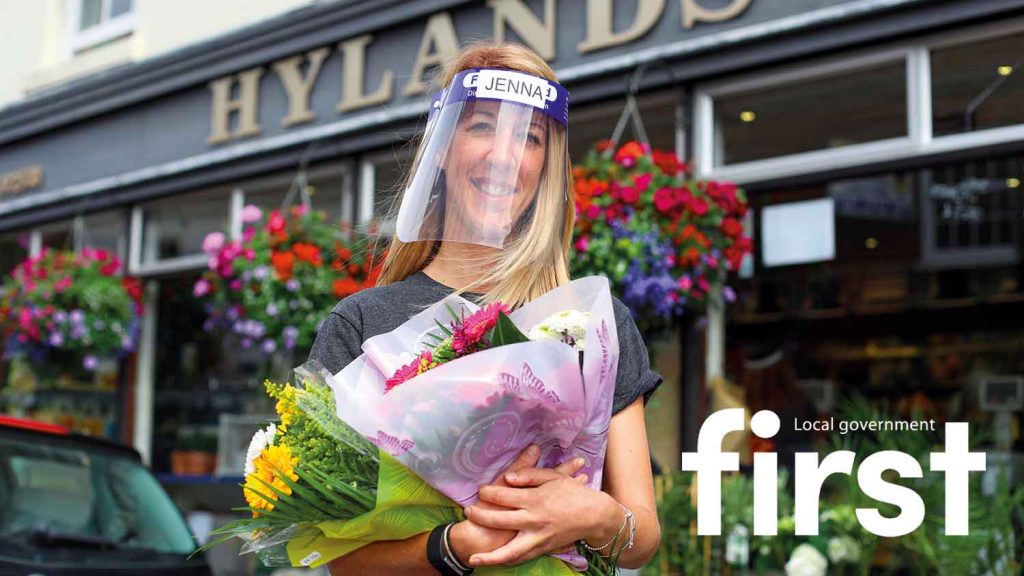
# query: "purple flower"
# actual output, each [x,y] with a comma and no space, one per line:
[208,325]
[201,288]
[729,294]
[90,362]
[293,304]
[259,272]
[127,343]
[271,309]
[56,339]
[77,316]
[60,316]
[269,346]
[292,285]
[290,333]
[246,343]
[99,325]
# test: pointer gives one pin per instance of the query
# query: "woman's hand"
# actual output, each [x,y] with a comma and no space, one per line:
[548,509]
[469,538]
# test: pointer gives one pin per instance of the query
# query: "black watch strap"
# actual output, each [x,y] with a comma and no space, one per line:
[439,556]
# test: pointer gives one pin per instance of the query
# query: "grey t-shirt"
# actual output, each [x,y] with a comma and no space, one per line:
[381,309]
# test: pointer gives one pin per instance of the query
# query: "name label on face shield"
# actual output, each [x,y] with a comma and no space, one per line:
[507,85]
[540,93]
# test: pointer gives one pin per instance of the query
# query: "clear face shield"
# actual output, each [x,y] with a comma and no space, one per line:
[494,142]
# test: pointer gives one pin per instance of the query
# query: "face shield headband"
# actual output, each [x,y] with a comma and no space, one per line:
[495,140]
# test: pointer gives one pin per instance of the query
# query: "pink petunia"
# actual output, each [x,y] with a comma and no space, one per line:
[251,214]
[213,242]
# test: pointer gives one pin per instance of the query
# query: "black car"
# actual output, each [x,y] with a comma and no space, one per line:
[71,504]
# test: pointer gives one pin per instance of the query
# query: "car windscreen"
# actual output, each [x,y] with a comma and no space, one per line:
[57,496]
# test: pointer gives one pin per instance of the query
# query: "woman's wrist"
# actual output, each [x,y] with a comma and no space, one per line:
[608,522]
[461,546]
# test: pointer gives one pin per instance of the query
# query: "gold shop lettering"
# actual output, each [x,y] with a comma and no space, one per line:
[21,180]
[237,95]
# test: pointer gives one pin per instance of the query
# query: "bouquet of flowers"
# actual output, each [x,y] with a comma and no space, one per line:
[67,302]
[401,439]
[270,287]
[661,237]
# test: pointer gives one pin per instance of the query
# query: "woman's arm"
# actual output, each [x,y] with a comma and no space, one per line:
[628,479]
[550,512]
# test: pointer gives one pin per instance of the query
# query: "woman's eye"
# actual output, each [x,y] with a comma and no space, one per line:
[481,127]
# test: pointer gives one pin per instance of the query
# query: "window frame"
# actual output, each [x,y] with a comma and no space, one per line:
[109,28]
[234,203]
[919,141]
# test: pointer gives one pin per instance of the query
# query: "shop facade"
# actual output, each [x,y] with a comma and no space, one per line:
[892,126]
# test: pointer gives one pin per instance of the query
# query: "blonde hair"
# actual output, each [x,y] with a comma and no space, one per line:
[535,261]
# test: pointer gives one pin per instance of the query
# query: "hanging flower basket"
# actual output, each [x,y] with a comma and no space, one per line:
[60,302]
[272,287]
[663,238]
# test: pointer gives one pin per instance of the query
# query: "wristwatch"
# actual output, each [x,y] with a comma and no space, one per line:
[440,555]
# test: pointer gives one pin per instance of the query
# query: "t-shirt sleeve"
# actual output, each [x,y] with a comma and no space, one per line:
[339,339]
[635,377]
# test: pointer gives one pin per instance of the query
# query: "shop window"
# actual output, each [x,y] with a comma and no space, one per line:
[325,188]
[201,375]
[817,113]
[973,213]
[174,227]
[106,231]
[94,22]
[381,180]
[978,86]
[58,235]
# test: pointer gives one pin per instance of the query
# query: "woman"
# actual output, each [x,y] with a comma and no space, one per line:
[487,212]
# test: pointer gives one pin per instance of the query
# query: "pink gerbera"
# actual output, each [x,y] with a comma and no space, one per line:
[422,363]
[470,332]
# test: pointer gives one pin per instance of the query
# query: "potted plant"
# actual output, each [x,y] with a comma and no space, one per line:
[195,454]
[60,306]
[663,238]
[270,288]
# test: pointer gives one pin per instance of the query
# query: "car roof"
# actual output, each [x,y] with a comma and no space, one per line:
[34,430]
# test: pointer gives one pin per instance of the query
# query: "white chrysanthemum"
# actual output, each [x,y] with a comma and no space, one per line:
[806,561]
[260,441]
[843,549]
[555,327]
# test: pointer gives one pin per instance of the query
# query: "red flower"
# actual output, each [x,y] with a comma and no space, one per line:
[276,222]
[468,334]
[699,206]
[133,287]
[307,253]
[110,268]
[283,262]
[630,194]
[732,227]
[664,199]
[669,163]
[604,145]
[628,153]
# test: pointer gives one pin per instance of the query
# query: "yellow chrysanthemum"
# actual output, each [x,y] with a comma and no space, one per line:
[273,464]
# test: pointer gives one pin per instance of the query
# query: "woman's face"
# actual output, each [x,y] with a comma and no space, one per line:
[494,166]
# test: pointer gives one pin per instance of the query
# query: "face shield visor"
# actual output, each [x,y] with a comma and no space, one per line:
[494,143]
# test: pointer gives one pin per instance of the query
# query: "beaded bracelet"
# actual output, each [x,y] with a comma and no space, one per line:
[628,518]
